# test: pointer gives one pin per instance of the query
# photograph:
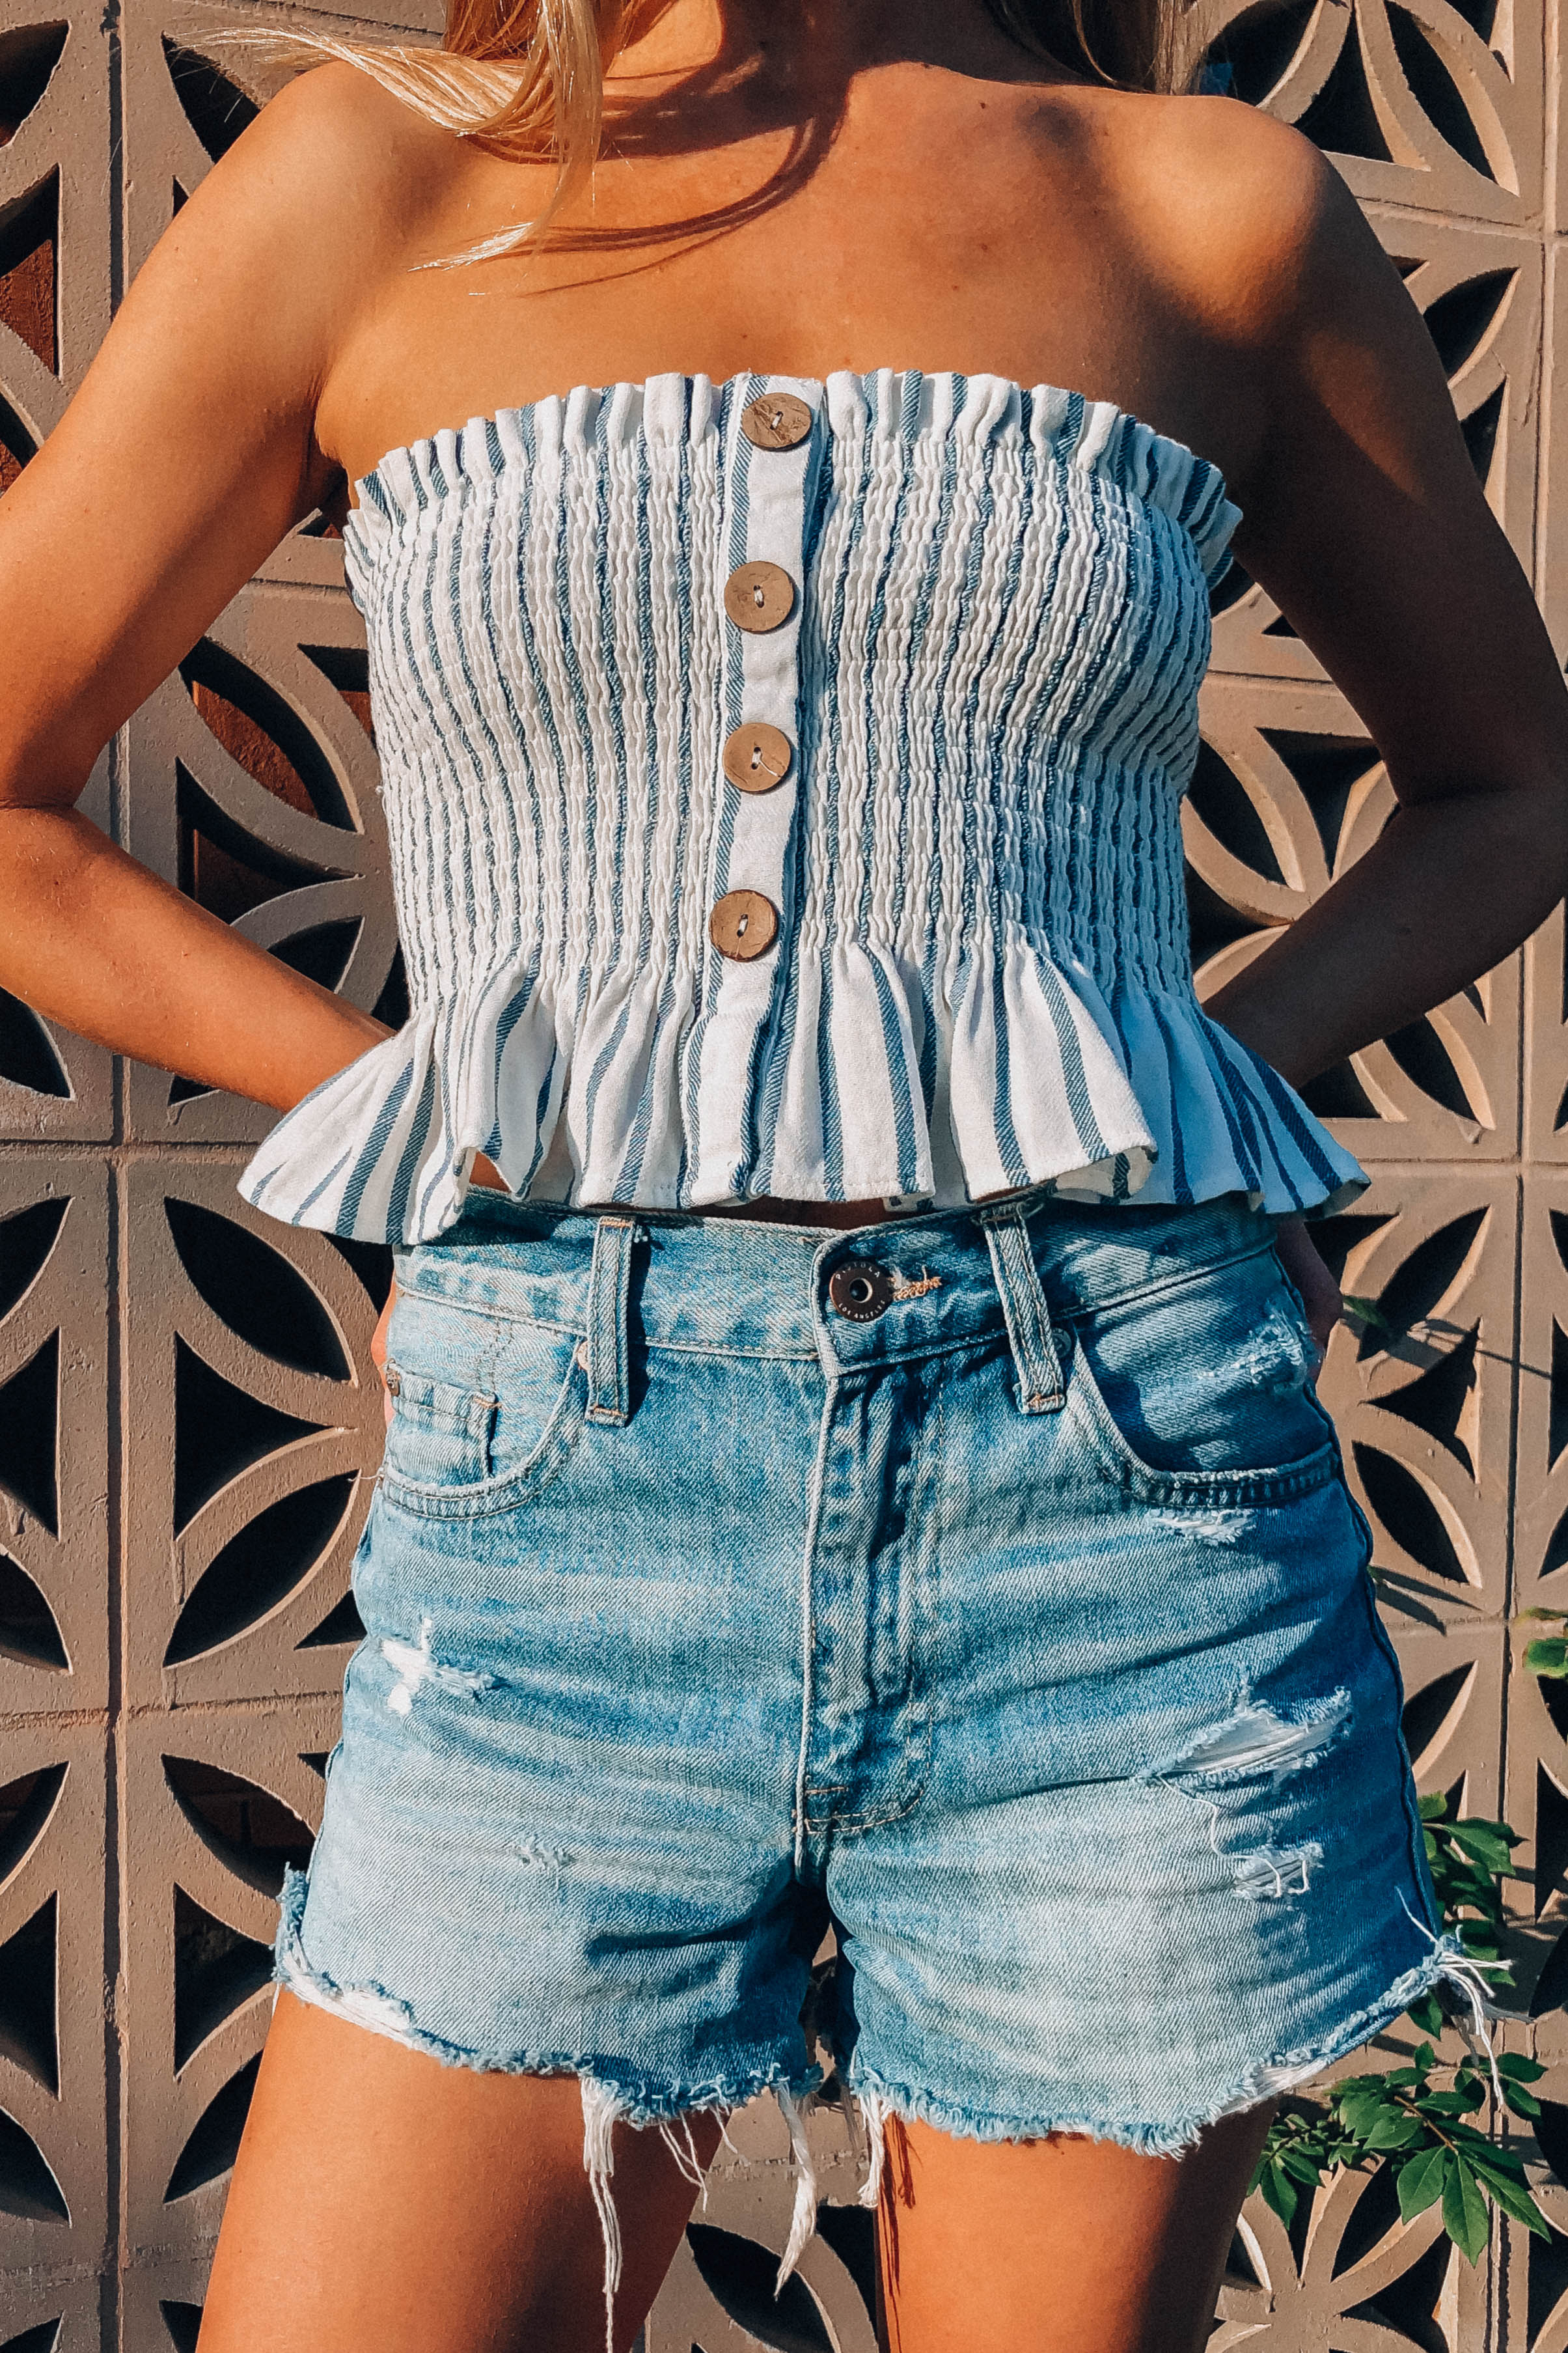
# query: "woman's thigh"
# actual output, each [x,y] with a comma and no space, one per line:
[383,2202]
[1063,2245]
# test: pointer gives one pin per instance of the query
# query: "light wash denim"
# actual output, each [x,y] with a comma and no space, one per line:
[1021,1633]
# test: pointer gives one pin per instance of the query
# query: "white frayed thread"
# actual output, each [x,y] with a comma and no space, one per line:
[1267,2083]
[1462,1969]
[874,2109]
[1210,1526]
[602,2104]
[802,2222]
[1277,1358]
[675,2135]
[383,2013]
[1271,1871]
[415,1665]
[1257,1740]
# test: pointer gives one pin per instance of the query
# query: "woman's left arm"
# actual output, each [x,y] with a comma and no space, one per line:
[1365,522]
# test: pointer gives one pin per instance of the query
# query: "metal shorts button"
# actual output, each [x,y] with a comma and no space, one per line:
[757,756]
[742,925]
[776,420]
[860,1289]
[759,597]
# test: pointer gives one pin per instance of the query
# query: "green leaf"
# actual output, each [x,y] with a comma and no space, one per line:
[1279,2192]
[1420,2182]
[1434,1807]
[1547,1655]
[1522,2103]
[1516,2199]
[1427,2013]
[1464,2209]
[1518,2069]
[1395,2128]
[1480,1840]
[1366,1310]
[1447,2103]
[1465,2137]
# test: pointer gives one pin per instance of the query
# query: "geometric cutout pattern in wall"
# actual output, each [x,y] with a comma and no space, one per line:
[250,1463]
[1421,102]
[1287,794]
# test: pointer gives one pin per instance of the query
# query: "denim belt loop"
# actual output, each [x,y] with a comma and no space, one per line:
[1041,1389]
[609,1290]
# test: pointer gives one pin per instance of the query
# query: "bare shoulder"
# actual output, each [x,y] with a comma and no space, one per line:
[1242,216]
[292,242]
[339,166]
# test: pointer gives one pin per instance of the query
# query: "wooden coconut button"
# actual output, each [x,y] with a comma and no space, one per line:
[758,597]
[744,925]
[757,756]
[776,420]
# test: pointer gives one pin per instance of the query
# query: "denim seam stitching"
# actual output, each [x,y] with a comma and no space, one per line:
[576,1332]
[1238,1490]
[1064,1315]
[482,1499]
[1141,1292]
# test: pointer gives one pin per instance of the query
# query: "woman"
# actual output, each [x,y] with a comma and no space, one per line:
[855,1462]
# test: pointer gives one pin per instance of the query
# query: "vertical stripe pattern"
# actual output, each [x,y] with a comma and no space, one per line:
[981,977]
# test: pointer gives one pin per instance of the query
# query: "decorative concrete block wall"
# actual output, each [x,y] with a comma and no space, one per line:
[188,1417]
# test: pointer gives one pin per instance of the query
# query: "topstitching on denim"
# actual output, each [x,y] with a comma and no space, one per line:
[476,1280]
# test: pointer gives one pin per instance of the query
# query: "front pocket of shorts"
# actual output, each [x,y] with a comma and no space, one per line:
[1204,1388]
[458,1449]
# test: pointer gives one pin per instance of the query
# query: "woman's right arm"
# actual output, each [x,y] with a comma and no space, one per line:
[185,457]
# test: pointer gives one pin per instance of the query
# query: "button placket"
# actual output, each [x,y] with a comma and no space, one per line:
[769,455]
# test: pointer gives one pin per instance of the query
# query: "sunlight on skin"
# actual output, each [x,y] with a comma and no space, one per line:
[1069,2245]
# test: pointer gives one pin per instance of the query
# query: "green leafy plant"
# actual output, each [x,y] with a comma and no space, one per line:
[1418,2118]
[1365,1311]
[1548,1653]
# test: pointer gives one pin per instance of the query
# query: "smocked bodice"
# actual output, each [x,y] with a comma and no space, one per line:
[783,781]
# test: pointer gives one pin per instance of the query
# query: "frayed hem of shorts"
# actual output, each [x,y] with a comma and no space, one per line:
[1447,1963]
[639,2102]
[607,2099]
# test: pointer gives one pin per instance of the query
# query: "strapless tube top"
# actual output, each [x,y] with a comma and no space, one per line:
[784,781]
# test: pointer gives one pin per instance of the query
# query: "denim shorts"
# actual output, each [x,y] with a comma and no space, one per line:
[982,1588]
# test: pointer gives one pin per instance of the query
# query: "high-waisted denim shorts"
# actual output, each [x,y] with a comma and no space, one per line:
[982,1588]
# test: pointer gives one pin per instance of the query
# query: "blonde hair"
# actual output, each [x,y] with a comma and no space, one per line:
[526,78]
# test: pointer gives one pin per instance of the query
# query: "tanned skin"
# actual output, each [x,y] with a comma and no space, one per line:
[791,186]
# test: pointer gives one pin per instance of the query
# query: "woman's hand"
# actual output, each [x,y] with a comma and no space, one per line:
[1300,1257]
[185,457]
[483,1172]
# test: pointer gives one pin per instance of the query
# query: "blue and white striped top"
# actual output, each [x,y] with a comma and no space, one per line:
[994,623]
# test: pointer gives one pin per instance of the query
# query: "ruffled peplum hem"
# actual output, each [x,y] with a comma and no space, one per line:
[1032,1076]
